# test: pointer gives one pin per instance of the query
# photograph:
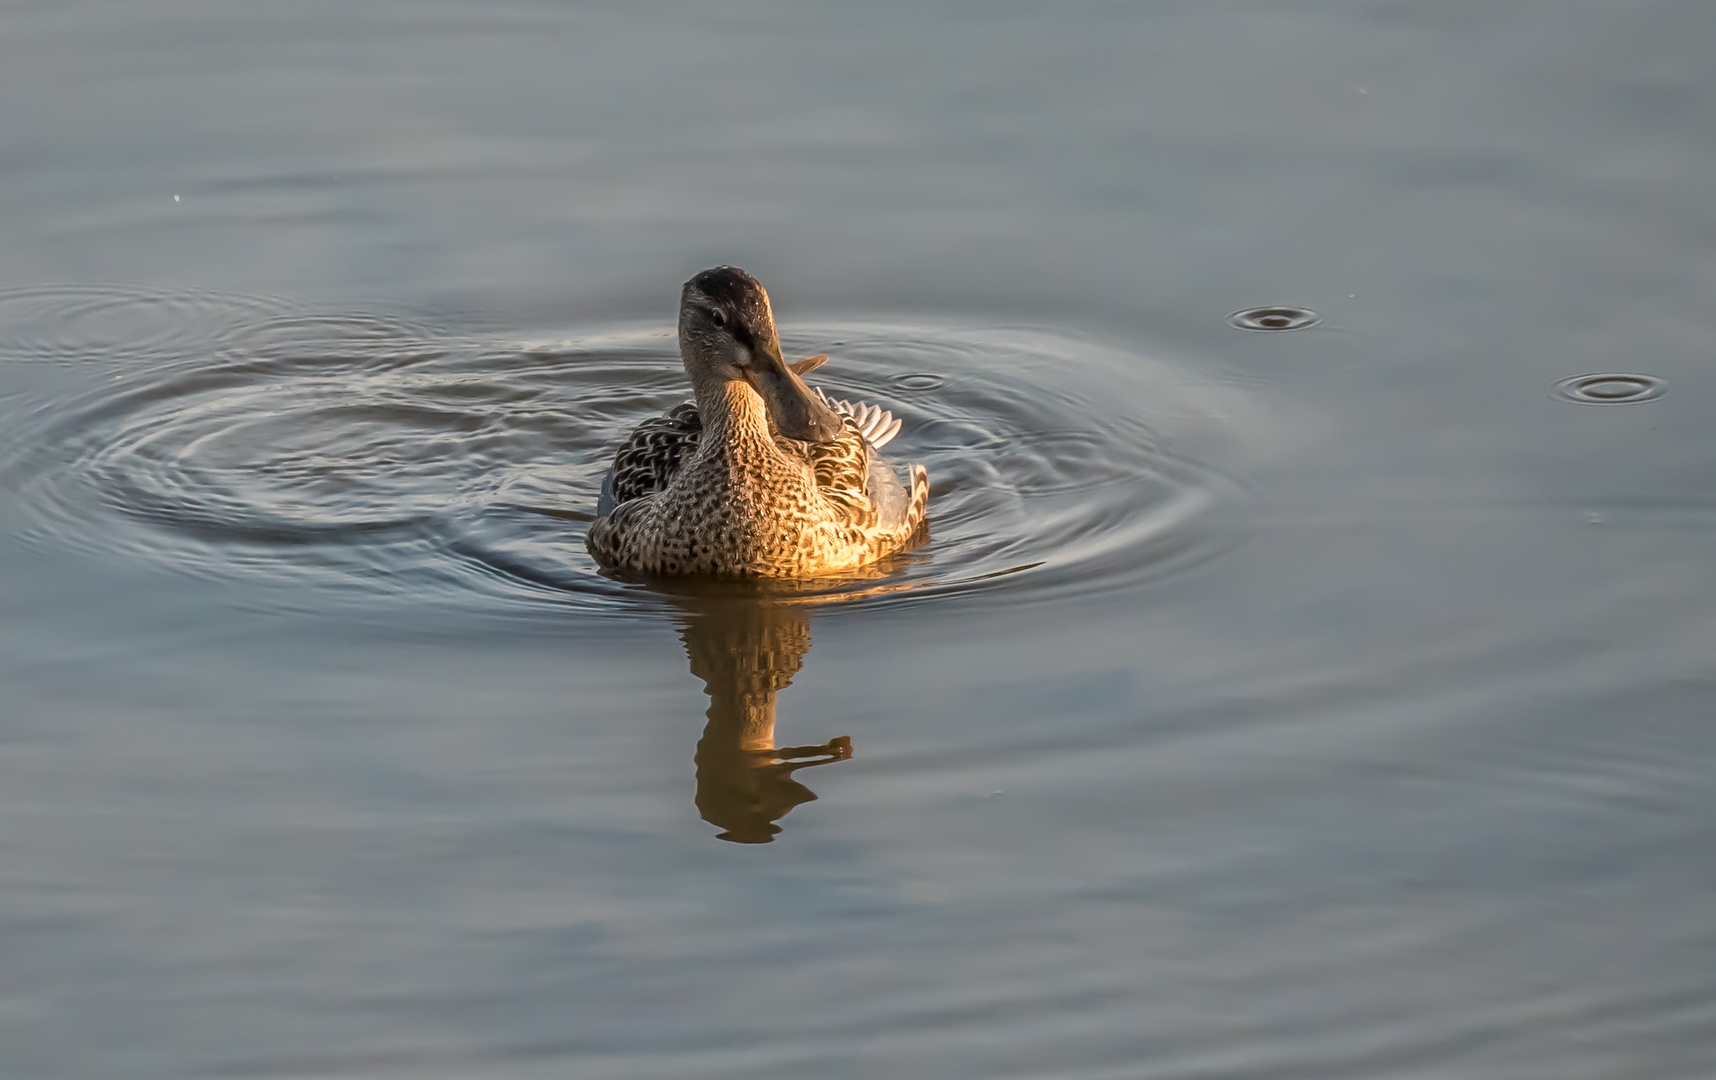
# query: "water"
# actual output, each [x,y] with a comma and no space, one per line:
[1326,700]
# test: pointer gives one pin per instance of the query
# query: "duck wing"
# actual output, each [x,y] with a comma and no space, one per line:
[650,458]
[850,471]
[875,423]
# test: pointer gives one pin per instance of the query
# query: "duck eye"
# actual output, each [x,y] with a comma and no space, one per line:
[718,317]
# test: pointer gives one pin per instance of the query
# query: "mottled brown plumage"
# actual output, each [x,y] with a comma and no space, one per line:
[757,477]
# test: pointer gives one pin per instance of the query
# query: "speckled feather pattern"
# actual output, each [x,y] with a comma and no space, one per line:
[726,495]
[655,451]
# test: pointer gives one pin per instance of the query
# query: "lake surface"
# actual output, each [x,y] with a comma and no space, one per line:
[1327,701]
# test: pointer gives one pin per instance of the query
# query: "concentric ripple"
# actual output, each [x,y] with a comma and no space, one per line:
[96,322]
[1273,318]
[370,456]
[1610,388]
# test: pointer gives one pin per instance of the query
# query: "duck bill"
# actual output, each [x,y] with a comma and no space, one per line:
[797,413]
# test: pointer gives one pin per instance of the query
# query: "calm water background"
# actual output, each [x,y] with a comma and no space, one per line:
[1394,759]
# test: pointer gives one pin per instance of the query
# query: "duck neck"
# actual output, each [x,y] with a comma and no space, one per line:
[735,422]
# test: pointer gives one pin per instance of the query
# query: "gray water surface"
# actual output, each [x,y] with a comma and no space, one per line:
[1328,702]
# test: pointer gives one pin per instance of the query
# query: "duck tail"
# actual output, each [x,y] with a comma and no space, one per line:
[918,512]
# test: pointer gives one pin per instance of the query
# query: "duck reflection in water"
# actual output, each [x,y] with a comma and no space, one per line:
[746,650]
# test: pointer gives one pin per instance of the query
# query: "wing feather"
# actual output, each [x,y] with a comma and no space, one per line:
[875,423]
[651,456]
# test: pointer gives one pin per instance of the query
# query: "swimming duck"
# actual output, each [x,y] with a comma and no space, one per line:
[758,476]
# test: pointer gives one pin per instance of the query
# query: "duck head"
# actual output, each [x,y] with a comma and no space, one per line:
[727,334]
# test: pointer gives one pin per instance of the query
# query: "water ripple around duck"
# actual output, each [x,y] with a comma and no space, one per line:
[377,456]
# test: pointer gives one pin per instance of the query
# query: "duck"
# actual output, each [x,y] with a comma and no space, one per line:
[757,476]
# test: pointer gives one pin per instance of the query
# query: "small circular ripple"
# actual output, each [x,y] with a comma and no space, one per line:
[1611,388]
[1273,318]
[370,457]
[918,382]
